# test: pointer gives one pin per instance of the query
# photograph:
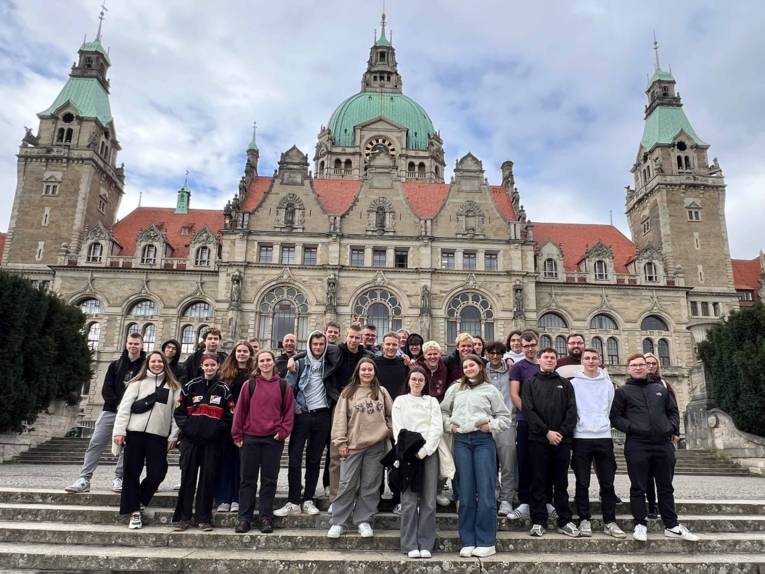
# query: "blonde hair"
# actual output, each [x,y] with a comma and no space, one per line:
[428,345]
[463,337]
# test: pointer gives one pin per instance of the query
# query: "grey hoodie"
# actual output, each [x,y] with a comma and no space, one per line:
[311,392]
[500,378]
[593,404]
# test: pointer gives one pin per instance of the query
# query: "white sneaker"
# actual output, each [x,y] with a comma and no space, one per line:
[612,529]
[585,528]
[537,531]
[335,531]
[234,507]
[570,529]
[521,512]
[310,508]
[223,507]
[414,553]
[681,532]
[505,508]
[425,554]
[117,485]
[640,533]
[484,551]
[135,521]
[467,551]
[442,499]
[288,509]
[79,485]
[397,509]
[365,530]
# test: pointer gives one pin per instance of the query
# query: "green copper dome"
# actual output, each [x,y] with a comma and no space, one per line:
[395,107]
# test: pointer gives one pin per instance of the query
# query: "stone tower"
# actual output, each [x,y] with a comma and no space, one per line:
[677,208]
[68,179]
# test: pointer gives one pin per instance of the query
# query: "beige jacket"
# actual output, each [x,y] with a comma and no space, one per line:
[361,422]
[159,420]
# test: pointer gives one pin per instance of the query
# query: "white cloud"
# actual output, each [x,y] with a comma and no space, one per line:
[554,86]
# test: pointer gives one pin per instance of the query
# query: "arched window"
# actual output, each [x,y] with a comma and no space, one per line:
[149,337]
[90,306]
[551,321]
[379,307]
[60,135]
[202,257]
[612,351]
[421,169]
[469,312]
[649,272]
[95,252]
[410,167]
[687,163]
[653,323]
[680,162]
[199,310]
[545,341]
[133,328]
[188,341]
[94,336]
[348,166]
[380,217]
[663,347]
[149,255]
[338,166]
[68,136]
[144,308]
[648,345]
[603,322]
[601,270]
[282,310]
[560,346]
[597,344]
[550,268]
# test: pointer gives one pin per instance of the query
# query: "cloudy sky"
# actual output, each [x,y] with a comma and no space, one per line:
[556,86]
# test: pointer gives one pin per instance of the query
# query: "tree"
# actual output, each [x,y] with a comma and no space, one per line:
[734,358]
[43,352]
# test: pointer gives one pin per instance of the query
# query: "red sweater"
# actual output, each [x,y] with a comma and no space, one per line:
[268,415]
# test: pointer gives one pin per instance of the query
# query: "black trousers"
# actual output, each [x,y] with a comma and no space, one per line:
[646,460]
[313,429]
[142,448]
[259,455]
[601,452]
[549,464]
[202,462]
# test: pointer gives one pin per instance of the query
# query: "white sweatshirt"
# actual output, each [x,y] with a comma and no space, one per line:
[470,406]
[593,404]
[159,420]
[419,414]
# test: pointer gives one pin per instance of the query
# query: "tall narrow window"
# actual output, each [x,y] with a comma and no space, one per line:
[447,259]
[288,255]
[612,351]
[648,345]
[40,250]
[149,337]
[94,336]
[601,270]
[664,352]
[378,257]
[46,217]
[149,255]
[649,272]
[95,252]
[265,253]
[550,269]
[202,257]
[380,217]
[490,262]
[309,255]
[469,261]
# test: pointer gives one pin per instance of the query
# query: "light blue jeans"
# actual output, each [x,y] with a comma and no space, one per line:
[475,456]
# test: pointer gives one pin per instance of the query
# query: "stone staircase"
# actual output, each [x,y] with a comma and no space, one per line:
[51,530]
[72,451]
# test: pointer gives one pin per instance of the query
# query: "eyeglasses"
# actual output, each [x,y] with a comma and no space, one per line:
[529,345]
[637,366]
[494,353]
[651,363]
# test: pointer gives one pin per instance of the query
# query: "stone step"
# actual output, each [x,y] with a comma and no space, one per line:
[188,559]
[384,520]
[384,540]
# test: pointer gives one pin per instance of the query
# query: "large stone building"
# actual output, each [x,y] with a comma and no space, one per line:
[372,231]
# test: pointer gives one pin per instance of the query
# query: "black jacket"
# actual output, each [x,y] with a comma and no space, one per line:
[549,404]
[645,411]
[192,367]
[204,411]
[406,468]
[392,374]
[175,364]
[281,363]
[117,376]
[347,364]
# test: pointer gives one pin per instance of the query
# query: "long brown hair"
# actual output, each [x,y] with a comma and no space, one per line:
[169,376]
[230,368]
[356,381]
[464,381]
[256,370]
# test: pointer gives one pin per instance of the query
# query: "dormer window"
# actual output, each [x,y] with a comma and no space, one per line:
[649,272]
[186,230]
[550,269]
[202,257]
[694,214]
[601,270]
[95,253]
[149,255]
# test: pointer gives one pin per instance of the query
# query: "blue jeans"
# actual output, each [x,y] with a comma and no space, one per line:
[475,456]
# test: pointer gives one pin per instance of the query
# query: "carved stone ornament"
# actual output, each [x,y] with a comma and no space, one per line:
[331,291]
[200,290]
[600,251]
[204,237]
[286,274]
[380,278]
[145,289]
[552,300]
[519,311]
[236,289]
[471,280]
[96,232]
[150,235]
[604,302]
[425,303]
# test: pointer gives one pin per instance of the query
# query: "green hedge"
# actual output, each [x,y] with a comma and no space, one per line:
[734,357]
[43,352]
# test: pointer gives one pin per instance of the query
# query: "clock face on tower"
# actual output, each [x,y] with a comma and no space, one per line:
[379,143]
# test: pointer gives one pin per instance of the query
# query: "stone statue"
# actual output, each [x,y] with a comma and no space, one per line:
[236,289]
[331,291]
[424,301]
[518,310]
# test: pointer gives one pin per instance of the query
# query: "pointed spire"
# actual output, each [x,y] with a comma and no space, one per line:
[184,196]
[253,143]
[101,15]
[656,49]
[382,40]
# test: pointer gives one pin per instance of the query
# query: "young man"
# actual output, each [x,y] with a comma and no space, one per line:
[255,344]
[289,349]
[315,393]
[117,376]
[646,412]
[435,369]
[193,365]
[549,407]
[499,375]
[594,393]
[571,363]
[171,349]
[369,339]
[463,346]
[332,332]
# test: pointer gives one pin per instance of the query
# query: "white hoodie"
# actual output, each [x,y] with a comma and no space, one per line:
[593,404]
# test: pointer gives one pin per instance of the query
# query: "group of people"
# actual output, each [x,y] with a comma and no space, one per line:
[500,420]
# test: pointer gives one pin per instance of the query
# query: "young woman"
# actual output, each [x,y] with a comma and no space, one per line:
[479,346]
[235,371]
[262,421]
[413,348]
[472,409]
[145,427]
[361,429]
[419,413]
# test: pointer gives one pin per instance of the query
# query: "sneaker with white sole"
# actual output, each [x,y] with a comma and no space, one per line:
[612,529]
[521,512]
[585,528]
[442,499]
[136,521]
[288,509]
[397,509]
[310,508]
[414,553]
[223,507]
[79,485]
[537,531]
[234,507]
[681,532]
[425,554]
[335,531]
[640,533]
[365,530]
[484,551]
[466,551]
[505,508]
[570,529]
[117,485]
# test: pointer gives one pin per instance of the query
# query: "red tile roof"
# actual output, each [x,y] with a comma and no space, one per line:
[425,199]
[576,238]
[255,193]
[336,195]
[746,273]
[502,201]
[170,223]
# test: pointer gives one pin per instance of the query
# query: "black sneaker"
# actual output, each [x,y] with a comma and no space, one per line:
[205,527]
[266,525]
[242,527]
[181,526]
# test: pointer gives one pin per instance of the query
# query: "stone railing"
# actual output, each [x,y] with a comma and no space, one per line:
[53,422]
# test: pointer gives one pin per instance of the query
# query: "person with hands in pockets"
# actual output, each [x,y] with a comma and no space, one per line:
[472,409]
